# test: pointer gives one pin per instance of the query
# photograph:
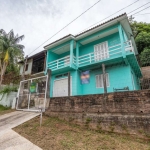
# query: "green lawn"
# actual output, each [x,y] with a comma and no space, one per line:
[56,134]
[4,110]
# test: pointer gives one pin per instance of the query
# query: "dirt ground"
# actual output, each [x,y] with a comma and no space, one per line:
[56,134]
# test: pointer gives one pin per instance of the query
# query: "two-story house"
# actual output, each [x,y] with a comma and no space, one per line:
[110,43]
[35,65]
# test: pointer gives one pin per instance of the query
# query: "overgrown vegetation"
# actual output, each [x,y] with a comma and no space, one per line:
[59,134]
[10,52]
[6,90]
[141,33]
[4,110]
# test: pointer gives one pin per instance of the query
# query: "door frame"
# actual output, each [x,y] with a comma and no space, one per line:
[62,79]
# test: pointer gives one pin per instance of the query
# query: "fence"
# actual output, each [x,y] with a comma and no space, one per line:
[32,94]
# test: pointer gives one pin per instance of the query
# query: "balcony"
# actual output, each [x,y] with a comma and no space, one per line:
[113,52]
[62,63]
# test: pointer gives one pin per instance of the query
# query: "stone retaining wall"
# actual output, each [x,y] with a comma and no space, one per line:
[127,112]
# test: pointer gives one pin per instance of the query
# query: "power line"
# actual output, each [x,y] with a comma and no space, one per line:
[141,10]
[143,14]
[138,8]
[115,13]
[137,12]
[65,26]
[110,15]
[93,24]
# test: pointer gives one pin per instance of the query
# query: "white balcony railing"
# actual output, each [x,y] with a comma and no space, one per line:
[113,52]
[59,63]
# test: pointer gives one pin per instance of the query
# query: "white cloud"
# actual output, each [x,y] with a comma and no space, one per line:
[40,19]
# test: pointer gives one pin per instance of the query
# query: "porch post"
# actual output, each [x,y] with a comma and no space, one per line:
[48,83]
[122,41]
[104,78]
[68,83]
[71,52]
[77,52]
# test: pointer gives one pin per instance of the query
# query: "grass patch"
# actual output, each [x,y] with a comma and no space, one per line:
[56,134]
[4,110]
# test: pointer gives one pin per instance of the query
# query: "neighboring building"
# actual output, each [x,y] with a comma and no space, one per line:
[110,43]
[35,65]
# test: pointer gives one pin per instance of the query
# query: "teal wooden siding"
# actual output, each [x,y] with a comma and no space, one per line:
[112,40]
[119,77]
[136,79]
[121,63]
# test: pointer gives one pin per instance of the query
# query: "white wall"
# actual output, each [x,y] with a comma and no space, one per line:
[29,62]
[7,100]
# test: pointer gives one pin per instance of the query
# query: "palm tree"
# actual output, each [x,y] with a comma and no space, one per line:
[10,50]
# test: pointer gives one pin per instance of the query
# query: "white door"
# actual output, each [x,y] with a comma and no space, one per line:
[60,87]
[101,51]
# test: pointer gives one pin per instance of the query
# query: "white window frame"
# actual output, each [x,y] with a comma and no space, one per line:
[100,53]
[101,76]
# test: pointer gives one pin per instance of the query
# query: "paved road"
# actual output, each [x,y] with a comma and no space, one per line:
[9,139]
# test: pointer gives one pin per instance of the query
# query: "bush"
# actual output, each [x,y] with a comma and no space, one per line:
[145,57]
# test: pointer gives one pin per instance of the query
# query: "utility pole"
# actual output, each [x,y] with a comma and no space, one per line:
[48,83]
[104,78]
[24,67]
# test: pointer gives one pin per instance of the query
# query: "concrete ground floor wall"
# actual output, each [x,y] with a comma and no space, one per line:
[119,77]
[7,99]
[123,112]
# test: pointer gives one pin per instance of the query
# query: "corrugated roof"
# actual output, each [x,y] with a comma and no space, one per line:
[86,30]
[59,39]
[100,25]
[35,55]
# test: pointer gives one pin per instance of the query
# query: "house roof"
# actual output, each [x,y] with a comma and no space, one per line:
[76,36]
[100,24]
[33,56]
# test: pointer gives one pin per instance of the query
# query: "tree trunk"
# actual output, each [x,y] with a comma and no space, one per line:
[1,78]
[2,72]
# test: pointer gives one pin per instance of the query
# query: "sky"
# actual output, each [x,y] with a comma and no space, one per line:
[38,20]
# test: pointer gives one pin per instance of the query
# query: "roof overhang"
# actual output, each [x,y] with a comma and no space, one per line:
[126,25]
[37,55]
[101,27]
[59,41]
[122,19]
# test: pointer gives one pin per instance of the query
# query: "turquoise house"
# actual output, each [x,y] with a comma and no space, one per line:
[110,43]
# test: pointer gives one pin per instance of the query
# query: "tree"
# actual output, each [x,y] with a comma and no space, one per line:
[145,57]
[141,33]
[10,50]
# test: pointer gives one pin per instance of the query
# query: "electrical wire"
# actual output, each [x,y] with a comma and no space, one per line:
[141,10]
[143,14]
[109,16]
[65,26]
[93,24]
[113,14]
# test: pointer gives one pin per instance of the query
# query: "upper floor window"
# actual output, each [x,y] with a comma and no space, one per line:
[38,65]
[101,51]
[99,80]
[26,67]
